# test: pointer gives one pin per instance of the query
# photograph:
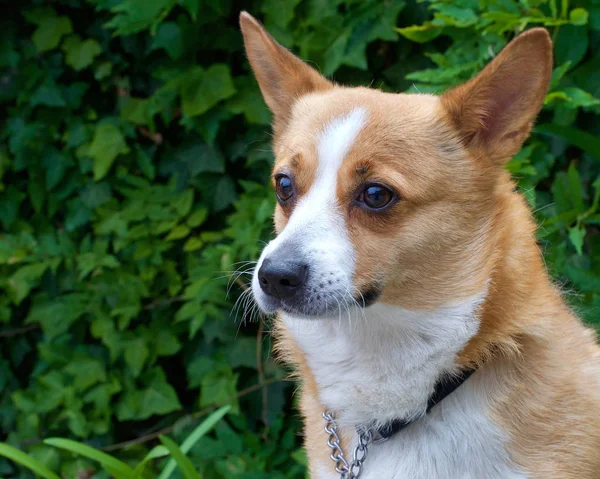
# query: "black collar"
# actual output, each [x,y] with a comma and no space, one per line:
[445,386]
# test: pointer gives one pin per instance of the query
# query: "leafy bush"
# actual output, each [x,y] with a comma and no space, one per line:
[134,159]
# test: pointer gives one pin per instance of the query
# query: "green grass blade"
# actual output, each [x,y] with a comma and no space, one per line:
[203,428]
[195,435]
[155,453]
[30,463]
[579,138]
[115,467]
[186,466]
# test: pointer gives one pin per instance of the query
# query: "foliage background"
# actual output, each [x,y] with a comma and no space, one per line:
[134,156]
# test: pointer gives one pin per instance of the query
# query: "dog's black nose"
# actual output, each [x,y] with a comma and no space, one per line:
[282,278]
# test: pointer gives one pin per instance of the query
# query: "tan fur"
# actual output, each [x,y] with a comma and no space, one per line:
[459,228]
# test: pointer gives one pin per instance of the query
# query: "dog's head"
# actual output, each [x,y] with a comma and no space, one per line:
[388,197]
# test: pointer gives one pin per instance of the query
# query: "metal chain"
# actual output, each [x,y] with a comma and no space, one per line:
[342,466]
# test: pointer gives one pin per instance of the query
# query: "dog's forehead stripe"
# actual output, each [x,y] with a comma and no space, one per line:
[336,139]
[333,144]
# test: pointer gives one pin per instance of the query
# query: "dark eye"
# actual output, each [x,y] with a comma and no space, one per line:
[284,187]
[376,197]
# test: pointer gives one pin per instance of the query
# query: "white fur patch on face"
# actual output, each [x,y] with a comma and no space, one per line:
[316,232]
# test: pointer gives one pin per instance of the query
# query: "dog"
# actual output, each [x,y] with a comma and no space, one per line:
[410,293]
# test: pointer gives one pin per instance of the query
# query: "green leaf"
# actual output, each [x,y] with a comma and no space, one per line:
[580,98]
[249,101]
[420,33]
[595,18]
[225,193]
[144,162]
[192,6]
[58,315]
[193,244]
[26,278]
[51,28]
[577,235]
[180,231]
[103,71]
[197,218]
[86,372]
[575,188]
[10,202]
[112,465]
[202,89]
[158,397]
[169,38]
[56,164]
[48,94]
[189,442]
[586,281]
[166,343]
[455,15]
[578,16]
[558,73]
[218,387]
[571,44]
[80,54]
[202,158]
[279,13]
[183,203]
[185,465]
[136,354]
[579,138]
[108,143]
[564,8]
[553,9]
[133,16]
[135,110]
[30,463]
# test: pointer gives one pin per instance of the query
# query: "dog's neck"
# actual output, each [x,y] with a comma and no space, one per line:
[381,364]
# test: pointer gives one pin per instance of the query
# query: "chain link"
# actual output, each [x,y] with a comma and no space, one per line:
[345,469]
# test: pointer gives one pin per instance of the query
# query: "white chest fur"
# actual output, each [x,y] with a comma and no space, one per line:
[456,440]
[383,365]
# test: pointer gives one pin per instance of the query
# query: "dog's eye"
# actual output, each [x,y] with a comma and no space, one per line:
[284,187]
[376,197]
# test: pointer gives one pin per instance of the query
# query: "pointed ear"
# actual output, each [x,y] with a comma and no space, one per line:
[282,77]
[495,110]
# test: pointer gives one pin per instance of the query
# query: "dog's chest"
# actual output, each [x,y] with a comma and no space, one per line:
[457,441]
[384,366]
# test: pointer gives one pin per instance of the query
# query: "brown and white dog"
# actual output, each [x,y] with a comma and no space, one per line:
[404,254]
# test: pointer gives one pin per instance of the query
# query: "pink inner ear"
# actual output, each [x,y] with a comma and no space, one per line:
[515,95]
[510,99]
[503,99]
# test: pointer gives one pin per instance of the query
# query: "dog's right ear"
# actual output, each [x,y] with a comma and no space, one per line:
[495,110]
[282,77]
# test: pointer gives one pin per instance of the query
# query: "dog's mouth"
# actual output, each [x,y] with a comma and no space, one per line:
[370,295]
[308,306]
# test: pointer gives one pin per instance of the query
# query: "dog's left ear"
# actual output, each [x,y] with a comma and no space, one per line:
[495,110]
